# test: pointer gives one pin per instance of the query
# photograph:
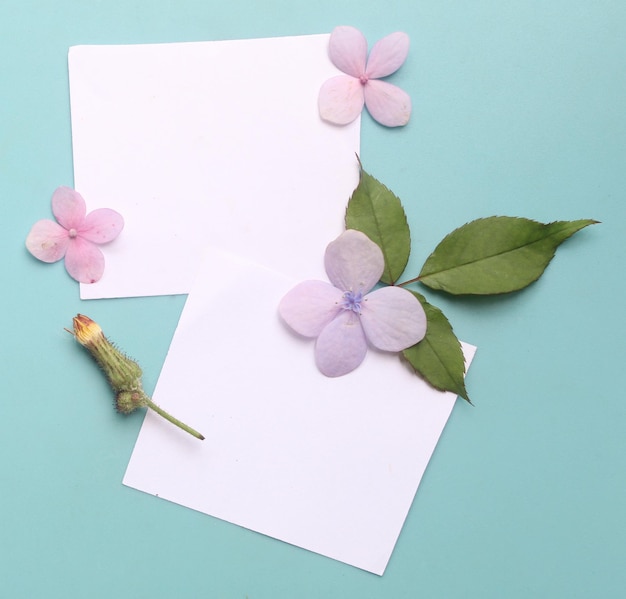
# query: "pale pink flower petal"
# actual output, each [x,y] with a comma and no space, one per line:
[310,306]
[341,99]
[354,262]
[341,346]
[84,261]
[393,319]
[101,225]
[387,103]
[47,241]
[347,50]
[387,55]
[68,207]
[75,236]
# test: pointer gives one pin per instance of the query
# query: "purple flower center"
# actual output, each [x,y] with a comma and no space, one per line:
[72,233]
[364,79]
[352,301]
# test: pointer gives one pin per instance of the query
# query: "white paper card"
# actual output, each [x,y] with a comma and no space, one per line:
[202,143]
[330,465]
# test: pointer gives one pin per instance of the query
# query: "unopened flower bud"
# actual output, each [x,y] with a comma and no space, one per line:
[123,374]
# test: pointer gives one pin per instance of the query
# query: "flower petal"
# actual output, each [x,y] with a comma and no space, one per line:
[310,306]
[393,319]
[387,103]
[68,207]
[47,241]
[347,49]
[84,261]
[102,225]
[341,346]
[341,99]
[387,55]
[354,262]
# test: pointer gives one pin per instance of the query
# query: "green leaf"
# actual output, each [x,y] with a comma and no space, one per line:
[377,212]
[494,255]
[438,358]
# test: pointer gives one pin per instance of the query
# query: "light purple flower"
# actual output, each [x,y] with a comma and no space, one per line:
[75,236]
[346,315]
[342,97]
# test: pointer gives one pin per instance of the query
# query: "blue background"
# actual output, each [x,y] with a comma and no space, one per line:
[519,109]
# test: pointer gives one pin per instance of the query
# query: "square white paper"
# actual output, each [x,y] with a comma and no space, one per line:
[203,143]
[330,465]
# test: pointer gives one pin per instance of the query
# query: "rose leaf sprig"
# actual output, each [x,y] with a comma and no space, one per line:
[488,256]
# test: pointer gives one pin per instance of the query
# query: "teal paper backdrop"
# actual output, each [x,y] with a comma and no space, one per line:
[519,108]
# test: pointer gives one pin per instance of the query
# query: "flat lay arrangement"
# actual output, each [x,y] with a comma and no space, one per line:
[265,296]
[490,256]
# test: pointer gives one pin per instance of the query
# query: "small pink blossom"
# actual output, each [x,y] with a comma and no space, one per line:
[75,236]
[346,315]
[341,98]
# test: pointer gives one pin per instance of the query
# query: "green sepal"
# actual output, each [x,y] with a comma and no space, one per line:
[438,358]
[495,255]
[374,210]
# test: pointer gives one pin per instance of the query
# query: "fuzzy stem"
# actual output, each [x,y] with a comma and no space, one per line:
[178,423]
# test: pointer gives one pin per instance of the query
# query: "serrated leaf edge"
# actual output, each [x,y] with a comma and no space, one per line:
[424,278]
[386,276]
[463,391]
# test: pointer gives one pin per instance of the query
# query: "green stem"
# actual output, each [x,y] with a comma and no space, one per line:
[170,418]
[415,280]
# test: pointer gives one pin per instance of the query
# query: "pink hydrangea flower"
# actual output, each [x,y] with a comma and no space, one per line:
[341,98]
[75,236]
[347,315]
